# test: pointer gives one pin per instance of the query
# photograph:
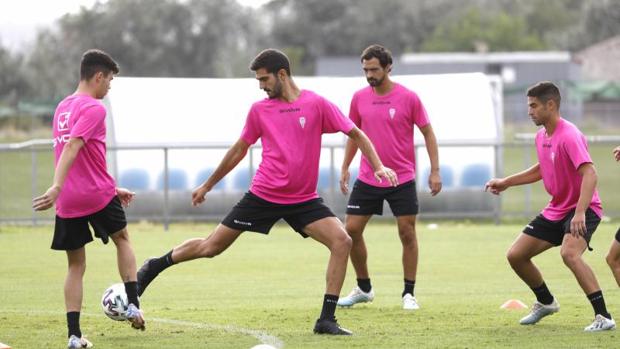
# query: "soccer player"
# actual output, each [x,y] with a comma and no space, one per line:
[387,112]
[85,193]
[613,256]
[572,215]
[290,124]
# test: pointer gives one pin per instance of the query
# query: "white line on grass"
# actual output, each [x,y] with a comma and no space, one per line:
[263,337]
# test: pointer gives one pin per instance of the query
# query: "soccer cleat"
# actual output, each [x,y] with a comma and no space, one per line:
[356,296]
[75,342]
[539,311]
[145,276]
[331,327]
[134,315]
[601,323]
[409,302]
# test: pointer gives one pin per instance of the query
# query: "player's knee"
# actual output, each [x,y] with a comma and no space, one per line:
[515,257]
[78,268]
[407,237]
[612,260]
[342,244]
[570,257]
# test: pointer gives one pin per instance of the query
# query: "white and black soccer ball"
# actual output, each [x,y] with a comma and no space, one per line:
[114,302]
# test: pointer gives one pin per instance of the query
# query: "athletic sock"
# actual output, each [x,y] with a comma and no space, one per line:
[329,307]
[364,285]
[161,263]
[598,304]
[409,285]
[131,288]
[542,294]
[73,324]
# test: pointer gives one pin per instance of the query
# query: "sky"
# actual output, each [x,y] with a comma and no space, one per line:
[19,19]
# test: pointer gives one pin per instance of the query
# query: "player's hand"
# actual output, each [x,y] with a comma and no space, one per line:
[198,195]
[496,186]
[578,224]
[126,196]
[344,181]
[387,173]
[434,183]
[617,153]
[46,200]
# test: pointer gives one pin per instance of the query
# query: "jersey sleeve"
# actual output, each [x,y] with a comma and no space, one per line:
[576,148]
[418,112]
[251,131]
[333,119]
[354,113]
[91,119]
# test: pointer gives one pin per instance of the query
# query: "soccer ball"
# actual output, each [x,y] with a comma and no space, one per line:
[114,302]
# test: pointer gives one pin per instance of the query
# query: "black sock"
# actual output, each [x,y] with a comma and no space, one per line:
[598,304]
[409,285]
[542,294]
[73,323]
[131,288]
[364,285]
[160,264]
[329,307]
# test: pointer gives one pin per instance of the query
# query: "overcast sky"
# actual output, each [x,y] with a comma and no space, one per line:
[19,19]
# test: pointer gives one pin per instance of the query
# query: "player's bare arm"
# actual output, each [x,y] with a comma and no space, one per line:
[368,150]
[588,185]
[69,153]
[233,156]
[434,179]
[349,153]
[498,185]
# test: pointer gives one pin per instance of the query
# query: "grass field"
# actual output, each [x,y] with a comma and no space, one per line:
[270,289]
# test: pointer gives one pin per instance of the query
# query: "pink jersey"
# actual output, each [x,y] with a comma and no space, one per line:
[559,157]
[388,121]
[290,134]
[88,187]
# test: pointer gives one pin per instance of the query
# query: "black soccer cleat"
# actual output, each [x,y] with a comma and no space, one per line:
[146,274]
[331,327]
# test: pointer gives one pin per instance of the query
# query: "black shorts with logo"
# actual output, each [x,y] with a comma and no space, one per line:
[367,200]
[554,231]
[73,233]
[252,213]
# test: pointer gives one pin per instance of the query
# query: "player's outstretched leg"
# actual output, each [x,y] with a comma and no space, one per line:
[191,249]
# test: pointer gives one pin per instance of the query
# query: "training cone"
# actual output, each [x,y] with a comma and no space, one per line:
[4,346]
[513,304]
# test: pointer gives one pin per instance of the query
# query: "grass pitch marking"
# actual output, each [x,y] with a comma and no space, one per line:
[263,337]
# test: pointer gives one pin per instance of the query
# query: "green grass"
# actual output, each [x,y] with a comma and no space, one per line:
[275,285]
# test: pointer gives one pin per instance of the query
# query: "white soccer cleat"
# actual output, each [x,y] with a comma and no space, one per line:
[539,311]
[135,317]
[356,296]
[76,343]
[601,323]
[410,303]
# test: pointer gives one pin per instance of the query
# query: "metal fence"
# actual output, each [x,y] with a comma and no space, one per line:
[26,170]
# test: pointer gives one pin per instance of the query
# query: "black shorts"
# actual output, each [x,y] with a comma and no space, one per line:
[554,231]
[73,233]
[252,213]
[367,200]
[618,235]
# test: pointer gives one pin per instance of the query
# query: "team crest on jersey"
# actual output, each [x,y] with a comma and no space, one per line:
[63,121]
[553,157]
[392,112]
[302,121]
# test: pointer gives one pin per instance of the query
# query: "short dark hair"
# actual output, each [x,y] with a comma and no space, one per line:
[379,52]
[272,60]
[94,61]
[545,91]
